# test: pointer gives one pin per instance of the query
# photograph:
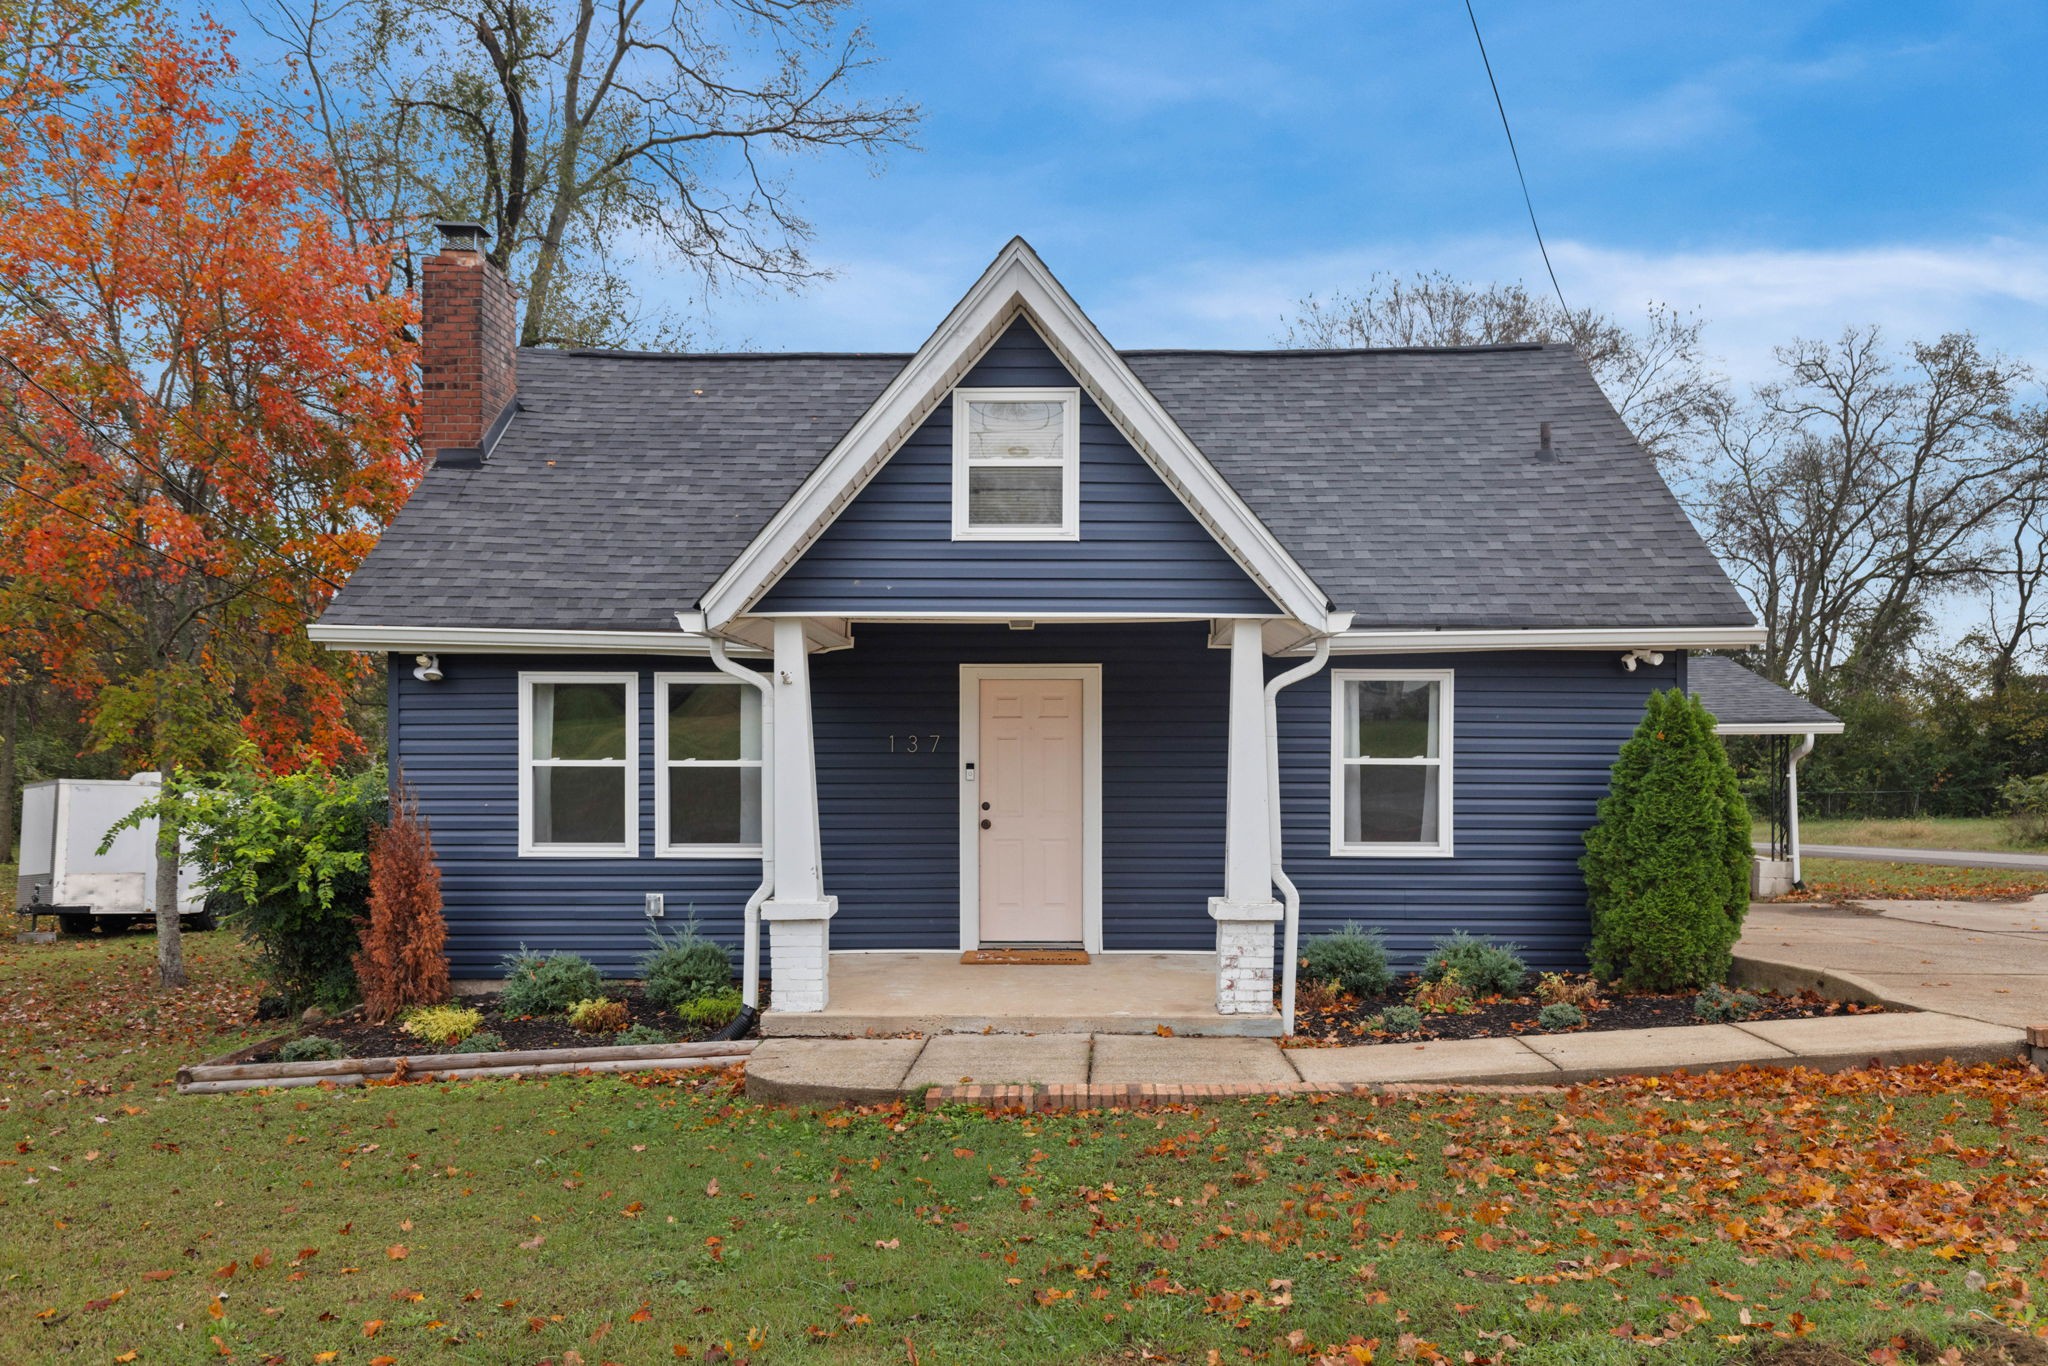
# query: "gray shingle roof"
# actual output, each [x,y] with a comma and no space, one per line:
[1740,699]
[1405,482]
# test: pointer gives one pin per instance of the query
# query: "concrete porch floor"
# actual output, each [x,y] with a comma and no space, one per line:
[935,993]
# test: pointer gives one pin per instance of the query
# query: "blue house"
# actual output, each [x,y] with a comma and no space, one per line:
[1016,646]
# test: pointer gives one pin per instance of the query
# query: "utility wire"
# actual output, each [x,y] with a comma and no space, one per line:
[1526,200]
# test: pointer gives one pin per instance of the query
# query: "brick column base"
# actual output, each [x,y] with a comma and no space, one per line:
[799,952]
[1244,956]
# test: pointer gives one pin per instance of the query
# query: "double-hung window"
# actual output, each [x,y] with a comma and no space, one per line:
[707,747]
[1016,464]
[579,760]
[1390,763]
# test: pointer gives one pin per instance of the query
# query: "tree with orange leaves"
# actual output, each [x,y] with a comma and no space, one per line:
[205,413]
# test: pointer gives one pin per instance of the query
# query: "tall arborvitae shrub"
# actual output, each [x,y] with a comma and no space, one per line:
[1667,864]
[401,963]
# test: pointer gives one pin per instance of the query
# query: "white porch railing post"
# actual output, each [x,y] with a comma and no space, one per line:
[799,915]
[1246,912]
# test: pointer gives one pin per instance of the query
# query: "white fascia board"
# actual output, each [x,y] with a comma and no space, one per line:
[1780,728]
[459,640]
[1016,282]
[1544,638]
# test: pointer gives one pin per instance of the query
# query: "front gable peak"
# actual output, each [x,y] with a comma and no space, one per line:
[1015,287]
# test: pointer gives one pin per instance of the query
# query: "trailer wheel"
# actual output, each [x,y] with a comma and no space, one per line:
[203,921]
[74,922]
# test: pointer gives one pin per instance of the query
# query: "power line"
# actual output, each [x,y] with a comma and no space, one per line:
[1512,152]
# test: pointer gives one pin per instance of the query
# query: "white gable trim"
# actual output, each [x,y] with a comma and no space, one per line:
[1016,283]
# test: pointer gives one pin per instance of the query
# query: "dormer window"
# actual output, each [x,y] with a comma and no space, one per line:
[1016,464]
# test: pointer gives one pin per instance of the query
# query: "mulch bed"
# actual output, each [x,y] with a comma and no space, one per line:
[365,1040]
[1330,1019]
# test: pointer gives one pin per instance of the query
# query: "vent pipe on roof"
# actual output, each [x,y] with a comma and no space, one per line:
[1544,450]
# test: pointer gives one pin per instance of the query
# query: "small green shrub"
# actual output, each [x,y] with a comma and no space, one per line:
[1399,1020]
[1722,1005]
[598,1016]
[442,1023]
[1667,862]
[483,1041]
[1560,1015]
[1352,959]
[1486,968]
[642,1034]
[708,1011]
[685,968]
[547,984]
[312,1048]
[2026,806]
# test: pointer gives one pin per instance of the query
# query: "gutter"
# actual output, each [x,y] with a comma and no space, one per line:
[1290,895]
[750,951]
[1792,806]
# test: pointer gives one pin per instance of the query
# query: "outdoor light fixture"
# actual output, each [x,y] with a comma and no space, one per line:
[429,670]
[1635,657]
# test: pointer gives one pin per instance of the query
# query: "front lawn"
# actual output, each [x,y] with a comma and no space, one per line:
[1829,879]
[1981,833]
[591,1220]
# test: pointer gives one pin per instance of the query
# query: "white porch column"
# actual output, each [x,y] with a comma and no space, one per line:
[799,914]
[1246,912]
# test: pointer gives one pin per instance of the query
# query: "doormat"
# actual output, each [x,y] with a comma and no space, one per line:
[1069,956]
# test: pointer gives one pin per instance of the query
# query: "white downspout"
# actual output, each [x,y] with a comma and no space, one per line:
[1290,896]
[1792,806]
[750,952]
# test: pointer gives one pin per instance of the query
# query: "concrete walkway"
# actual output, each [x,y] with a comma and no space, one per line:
[1949,858]
[1075,1070]
[1981,960]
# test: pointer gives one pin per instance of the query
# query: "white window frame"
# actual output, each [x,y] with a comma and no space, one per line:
[662,764]
[1069,528]
[630,846]
[1340,681]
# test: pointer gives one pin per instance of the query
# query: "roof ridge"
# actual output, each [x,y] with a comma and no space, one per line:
[1272,352]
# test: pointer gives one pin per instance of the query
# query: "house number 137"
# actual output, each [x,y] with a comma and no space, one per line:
[914,744]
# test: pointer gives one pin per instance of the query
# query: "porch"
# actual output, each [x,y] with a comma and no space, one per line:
[935,993]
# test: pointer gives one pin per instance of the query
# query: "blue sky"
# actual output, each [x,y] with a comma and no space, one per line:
[1189,169]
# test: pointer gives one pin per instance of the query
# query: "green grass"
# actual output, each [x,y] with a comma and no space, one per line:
[1978,833]
[1853,880]
[494,1222]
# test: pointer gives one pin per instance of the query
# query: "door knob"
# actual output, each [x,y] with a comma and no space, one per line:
[986,823]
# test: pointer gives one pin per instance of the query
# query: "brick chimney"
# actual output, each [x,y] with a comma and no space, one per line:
[468,335]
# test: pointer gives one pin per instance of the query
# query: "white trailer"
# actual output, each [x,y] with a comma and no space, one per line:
[62,871]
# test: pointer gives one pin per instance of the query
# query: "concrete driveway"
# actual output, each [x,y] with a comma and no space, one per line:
[1985,960]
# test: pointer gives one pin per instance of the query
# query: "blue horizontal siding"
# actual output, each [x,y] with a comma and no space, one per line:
[1536,734]
[891,822]
[891,548]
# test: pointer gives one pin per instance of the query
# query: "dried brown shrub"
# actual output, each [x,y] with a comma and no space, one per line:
[402,962]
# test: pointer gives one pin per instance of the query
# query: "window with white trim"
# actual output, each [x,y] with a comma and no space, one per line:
[579,760]
[1390,762]
[1016,464]
[707,766]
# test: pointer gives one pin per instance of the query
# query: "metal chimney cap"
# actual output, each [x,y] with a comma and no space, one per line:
[462,235]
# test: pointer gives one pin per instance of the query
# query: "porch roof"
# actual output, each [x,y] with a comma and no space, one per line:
[1746,703]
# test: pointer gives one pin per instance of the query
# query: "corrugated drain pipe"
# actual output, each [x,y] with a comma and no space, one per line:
[750,953]
[1289,894]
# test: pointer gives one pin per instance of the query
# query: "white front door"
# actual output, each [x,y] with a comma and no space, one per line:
[1030,822]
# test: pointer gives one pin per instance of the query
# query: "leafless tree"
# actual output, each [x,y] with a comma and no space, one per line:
[1858,490]
[1655,376]
[591,136]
